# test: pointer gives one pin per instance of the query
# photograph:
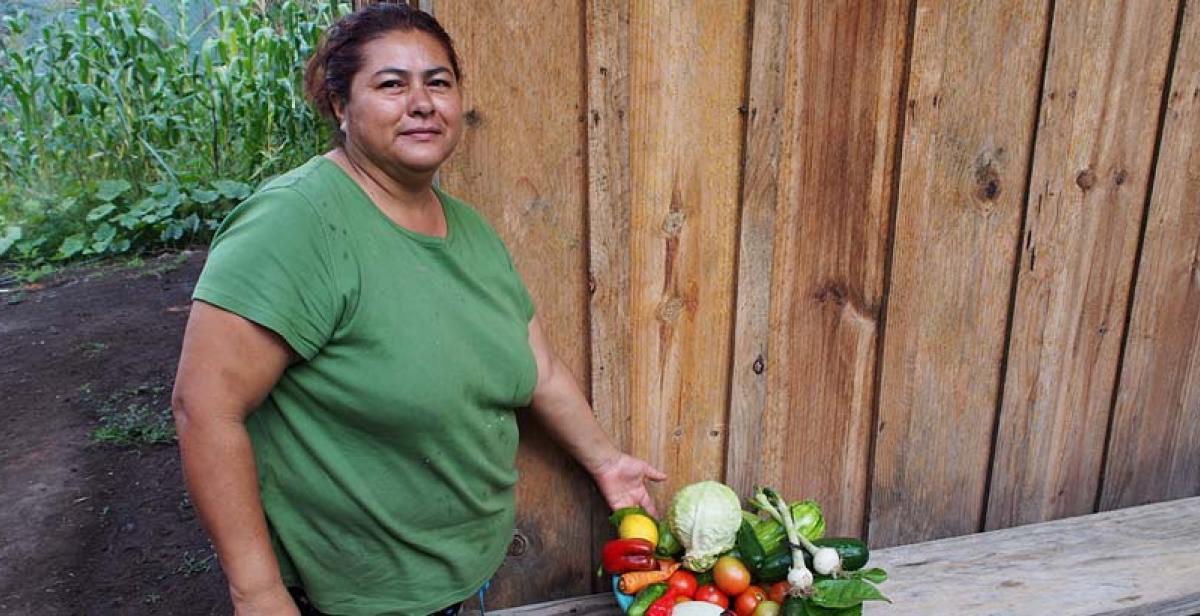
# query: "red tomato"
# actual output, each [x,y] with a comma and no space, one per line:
[777,592]
[731,576]
[684,583]
[745,603]
[711,594]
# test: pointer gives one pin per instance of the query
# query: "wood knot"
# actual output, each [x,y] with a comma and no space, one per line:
[1121,177]
[987,182]
[673,223]
[831,292]
[1086,179]
[519,544]
[670,310]
[472,118]
[758,366]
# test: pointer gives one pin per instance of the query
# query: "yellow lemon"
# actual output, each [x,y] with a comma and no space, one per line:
[638,526]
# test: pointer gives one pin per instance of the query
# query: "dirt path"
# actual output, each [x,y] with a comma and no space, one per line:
[85,527]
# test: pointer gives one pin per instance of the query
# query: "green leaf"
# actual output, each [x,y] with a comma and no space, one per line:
[875,575]
[121,246]
[71,246]
[111,189]
[799,606]
[100,212]
[845,593]
[11,236]
[231,189]
[204,197]
[105,233]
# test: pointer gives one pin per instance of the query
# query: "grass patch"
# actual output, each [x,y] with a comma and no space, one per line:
[134,417]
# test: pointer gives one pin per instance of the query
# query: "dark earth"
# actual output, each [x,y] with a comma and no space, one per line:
[87,525]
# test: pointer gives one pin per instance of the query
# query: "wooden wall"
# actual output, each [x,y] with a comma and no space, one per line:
[932,263]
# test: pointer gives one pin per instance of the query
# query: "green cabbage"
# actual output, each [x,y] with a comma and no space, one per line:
[773,538]
[705,517]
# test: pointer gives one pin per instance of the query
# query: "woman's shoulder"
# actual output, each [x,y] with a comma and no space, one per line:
[466,213]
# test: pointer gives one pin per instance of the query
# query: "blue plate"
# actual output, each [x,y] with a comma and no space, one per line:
[623,599]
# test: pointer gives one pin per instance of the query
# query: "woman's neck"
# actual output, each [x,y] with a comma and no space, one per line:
[409,202]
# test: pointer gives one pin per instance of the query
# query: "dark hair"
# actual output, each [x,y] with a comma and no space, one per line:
[339,56]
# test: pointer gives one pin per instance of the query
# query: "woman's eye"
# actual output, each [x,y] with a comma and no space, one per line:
[440,83]
[392,83]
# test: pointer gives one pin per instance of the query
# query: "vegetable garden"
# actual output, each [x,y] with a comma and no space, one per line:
[125,128]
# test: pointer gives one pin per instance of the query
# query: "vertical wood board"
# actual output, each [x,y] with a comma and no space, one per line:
[812,266]
[525,172]
[686,75]
[607,31]
[1154,449]
[974,77]
[1105,71]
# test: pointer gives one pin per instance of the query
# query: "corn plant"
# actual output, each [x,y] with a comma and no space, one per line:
[126,128]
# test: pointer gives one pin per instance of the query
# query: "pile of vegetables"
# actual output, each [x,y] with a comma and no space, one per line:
[710,557]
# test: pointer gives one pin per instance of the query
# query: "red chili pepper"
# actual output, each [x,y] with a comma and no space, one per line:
[622,555]
[664,605]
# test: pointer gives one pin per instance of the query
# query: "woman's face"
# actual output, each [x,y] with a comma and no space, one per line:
[405,108]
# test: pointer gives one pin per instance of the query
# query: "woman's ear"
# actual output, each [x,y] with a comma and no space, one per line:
[339,111]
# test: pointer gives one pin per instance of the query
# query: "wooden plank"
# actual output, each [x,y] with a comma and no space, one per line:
[521,162]
[1140,560]
[972,96]
[608,212]
[600,604]
[608,215]
[1155,443]
[748,463]
[820,164]
[686,76]
[1106,70]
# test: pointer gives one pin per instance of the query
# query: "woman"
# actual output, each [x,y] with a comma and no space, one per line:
[359,343]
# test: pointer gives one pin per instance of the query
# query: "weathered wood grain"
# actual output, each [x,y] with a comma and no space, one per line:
[607,31]
[1099,117]
[770,60]
[820,164]
[601,604]
[686,78]
[608,211]
[974,76]
[525,172]
[1154,450]
[1141,560]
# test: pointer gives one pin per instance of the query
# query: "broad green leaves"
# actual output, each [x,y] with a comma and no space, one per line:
[153,125]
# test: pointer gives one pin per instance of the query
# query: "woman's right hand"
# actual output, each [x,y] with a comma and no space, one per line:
[276,601]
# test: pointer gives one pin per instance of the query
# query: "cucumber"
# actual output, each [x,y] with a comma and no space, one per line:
[853,551]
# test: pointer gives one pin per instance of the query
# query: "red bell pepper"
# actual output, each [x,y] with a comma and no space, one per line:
[622,555]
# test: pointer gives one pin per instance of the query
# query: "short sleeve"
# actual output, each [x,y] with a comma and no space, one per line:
[524,299]
[269,263]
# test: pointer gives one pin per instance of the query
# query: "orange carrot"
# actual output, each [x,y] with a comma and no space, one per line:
[633,581]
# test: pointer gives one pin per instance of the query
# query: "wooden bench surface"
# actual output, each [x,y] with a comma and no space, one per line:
[1140,560]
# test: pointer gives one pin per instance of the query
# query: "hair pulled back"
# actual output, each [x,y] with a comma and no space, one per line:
[338,57]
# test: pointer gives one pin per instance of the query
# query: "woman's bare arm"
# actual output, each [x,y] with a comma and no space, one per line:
[227,366]
[562,408]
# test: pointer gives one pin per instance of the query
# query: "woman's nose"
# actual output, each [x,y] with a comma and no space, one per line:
[420,103]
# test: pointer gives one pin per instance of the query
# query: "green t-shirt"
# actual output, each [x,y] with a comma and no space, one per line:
[386,458]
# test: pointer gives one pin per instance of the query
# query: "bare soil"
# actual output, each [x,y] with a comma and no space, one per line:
[89,527]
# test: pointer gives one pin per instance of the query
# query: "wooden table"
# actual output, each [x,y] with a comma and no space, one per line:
[1140,560]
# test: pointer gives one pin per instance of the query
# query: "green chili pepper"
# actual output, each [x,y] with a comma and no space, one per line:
[645,598]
